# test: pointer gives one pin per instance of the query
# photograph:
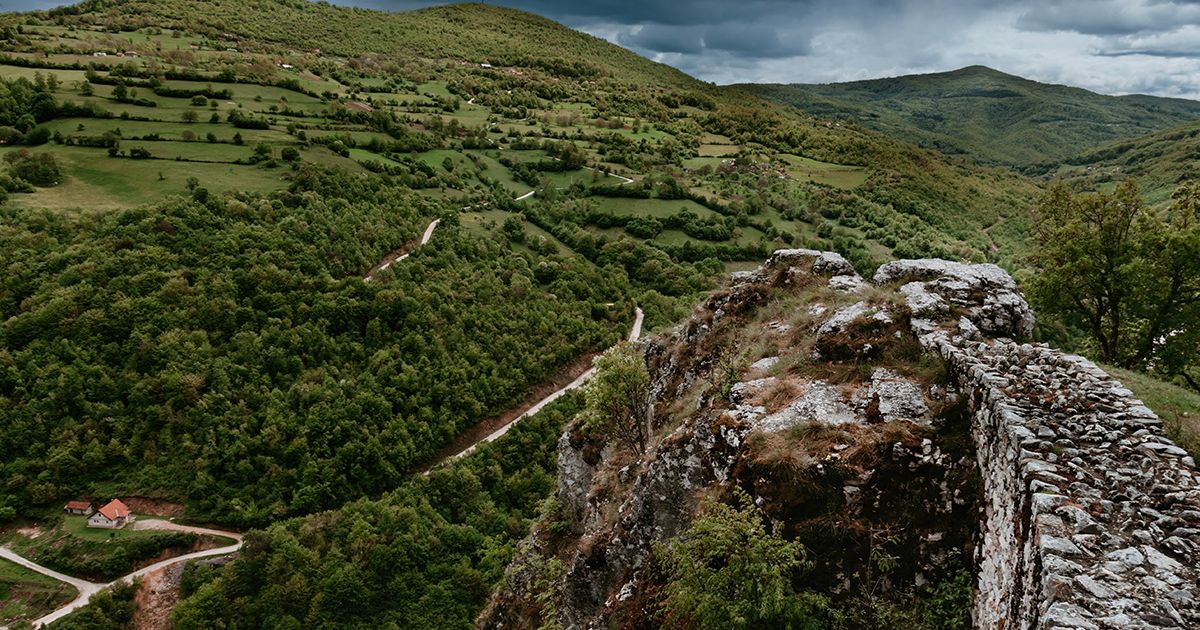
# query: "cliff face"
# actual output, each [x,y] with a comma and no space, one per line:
[895,418]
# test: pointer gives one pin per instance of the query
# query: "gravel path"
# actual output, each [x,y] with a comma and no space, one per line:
[88,589]
[634,334]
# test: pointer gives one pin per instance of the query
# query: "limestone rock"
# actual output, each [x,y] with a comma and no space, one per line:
[889,397]
[824,263]
[822,403]
[991,297]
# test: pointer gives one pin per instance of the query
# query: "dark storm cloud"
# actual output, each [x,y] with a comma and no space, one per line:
[754,40]
[1109,17]
[1111,46]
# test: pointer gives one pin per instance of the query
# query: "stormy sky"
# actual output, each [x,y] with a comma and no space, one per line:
[1110,46]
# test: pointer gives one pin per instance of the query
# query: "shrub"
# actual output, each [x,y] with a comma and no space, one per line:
[37,136]
[39,169]
[730,571]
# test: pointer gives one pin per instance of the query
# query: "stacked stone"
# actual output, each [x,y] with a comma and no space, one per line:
[1093,514]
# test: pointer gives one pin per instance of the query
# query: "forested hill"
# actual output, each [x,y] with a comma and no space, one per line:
[192,193]
[989,115]
[1159,161]
[472,32]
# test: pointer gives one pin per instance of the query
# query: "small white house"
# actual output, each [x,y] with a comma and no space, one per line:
[113,515]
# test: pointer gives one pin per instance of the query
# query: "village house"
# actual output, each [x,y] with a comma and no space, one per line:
[113,515]
[78,507]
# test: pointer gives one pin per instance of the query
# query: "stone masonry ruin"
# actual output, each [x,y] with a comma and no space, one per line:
[1078,512]
[1092,513]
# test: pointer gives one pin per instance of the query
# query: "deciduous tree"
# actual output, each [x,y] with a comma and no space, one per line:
[618,397]
[1127,275]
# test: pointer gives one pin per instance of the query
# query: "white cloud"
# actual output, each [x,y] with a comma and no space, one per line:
[1149,54]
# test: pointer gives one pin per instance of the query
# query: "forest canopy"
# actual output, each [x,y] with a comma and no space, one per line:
[227,352]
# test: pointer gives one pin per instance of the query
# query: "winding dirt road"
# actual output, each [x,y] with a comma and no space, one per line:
[634,334]
[401,254]
[397,256]
[88,589]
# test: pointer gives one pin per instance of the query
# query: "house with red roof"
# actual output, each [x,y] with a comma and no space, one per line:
[112,515]
[83,508]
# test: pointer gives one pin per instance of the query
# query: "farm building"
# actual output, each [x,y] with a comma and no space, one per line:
[78,507]
[113,515]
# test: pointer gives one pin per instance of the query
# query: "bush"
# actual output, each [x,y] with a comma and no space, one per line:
[14,184]
[730,571]
[39,169]
[37,136]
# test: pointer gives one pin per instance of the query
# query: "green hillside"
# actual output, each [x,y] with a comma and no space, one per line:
[147,143]
[469,32]
[192,194]
[1159,161]
[989,115]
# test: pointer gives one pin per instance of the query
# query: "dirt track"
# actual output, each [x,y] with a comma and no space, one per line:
[88,589]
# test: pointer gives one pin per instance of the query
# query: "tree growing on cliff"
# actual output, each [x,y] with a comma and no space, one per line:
[1127,275]
[618,397]
[729,570]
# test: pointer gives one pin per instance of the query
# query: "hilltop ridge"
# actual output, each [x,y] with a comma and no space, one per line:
[474,32]
[892,418]
[987,114]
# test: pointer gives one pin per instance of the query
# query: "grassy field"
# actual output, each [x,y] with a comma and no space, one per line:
[77,526]
[95,181]
[836,175]
[658,208]
[487,224]
[167,130]
[362,155]
[718,150]
[27,595]
[587,177]
[494,169]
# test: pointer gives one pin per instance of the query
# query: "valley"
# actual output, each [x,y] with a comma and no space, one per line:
[357,294]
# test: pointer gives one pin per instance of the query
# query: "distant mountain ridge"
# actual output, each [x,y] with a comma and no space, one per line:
[994,117]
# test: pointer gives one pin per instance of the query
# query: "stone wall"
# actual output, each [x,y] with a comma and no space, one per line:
[1092,513]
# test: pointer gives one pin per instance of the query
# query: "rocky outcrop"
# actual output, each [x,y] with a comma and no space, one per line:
[1070,503]
[985,294]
